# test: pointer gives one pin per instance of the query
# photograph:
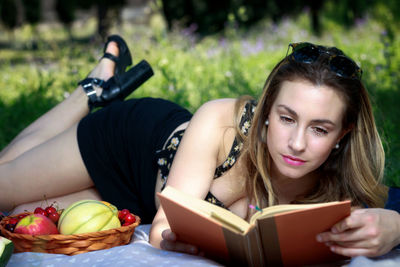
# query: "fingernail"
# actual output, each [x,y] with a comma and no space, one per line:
[319,238]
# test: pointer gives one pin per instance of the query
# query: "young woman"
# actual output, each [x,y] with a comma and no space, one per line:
[311,137]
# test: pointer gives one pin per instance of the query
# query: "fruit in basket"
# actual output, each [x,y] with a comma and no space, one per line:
[128,219]
[36,224]
[10,227]
[87,216]
[114,209]
[123,213]
[54,217]
[13,221]
[6,249]
[41,211]
[51,210]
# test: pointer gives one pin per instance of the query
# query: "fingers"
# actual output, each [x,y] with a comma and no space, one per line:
[178,247]
[355,220]
[366,232]
[347,236]
[170,242]
[168,235]
[358,226]
[353,252]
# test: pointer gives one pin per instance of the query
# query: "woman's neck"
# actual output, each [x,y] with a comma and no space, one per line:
[289,189]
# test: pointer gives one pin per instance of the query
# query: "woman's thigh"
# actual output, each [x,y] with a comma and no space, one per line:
[52,169]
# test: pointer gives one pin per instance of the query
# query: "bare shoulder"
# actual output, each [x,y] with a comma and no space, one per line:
[200,148]
[220,111]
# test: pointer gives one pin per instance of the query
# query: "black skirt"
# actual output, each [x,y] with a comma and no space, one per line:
[118,146]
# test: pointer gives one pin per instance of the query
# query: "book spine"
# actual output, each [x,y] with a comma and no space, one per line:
[255,248]
[244,249]
[270,240]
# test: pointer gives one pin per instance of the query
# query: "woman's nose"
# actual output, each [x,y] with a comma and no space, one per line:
[297,140]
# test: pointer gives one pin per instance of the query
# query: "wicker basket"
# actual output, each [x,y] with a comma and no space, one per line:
[69,244]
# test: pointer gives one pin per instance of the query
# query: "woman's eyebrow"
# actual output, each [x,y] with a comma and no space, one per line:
[293,113]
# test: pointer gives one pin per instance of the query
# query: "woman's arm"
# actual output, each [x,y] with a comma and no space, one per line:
[366,232]
[194,164]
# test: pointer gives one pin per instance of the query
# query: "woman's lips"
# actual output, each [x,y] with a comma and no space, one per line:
[293,161]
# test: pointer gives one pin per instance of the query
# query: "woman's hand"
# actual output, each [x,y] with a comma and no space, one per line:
[366,232]
[169,242]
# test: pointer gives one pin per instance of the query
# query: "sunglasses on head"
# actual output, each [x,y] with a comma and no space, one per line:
[340,64]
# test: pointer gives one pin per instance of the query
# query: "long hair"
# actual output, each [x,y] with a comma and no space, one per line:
[354,171]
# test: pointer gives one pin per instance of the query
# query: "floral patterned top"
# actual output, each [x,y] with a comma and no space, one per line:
[165,156]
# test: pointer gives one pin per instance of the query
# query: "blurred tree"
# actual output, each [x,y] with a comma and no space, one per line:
[248,12]
[107,11]
[66,13]
[175,10]
[211,16]
[85,4]
[315,8]
[206,16]
[32,11]
[8,15]
[388,14]
[32,15]
[347,12]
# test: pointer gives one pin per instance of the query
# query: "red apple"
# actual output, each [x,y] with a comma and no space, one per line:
[36,224]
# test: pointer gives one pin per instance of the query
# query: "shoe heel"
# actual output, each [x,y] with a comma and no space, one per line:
[122,86]
[135,77]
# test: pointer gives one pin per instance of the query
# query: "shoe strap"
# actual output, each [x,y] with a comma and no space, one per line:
[87,85]
[111,56]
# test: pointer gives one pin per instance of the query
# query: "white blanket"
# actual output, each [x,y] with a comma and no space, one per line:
[140,253]
[137,253]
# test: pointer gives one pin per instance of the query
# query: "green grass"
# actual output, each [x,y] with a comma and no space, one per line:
[191,71]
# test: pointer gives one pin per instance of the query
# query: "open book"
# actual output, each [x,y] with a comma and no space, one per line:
[281,235]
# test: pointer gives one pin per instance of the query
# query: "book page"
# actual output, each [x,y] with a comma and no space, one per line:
[270,211]
[214,212]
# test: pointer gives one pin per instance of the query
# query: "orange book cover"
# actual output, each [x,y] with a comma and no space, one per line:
[289,237]
[195,228]
[282,235]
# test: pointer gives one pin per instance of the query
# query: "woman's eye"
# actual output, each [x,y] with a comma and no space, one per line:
[286,119]
[320,131]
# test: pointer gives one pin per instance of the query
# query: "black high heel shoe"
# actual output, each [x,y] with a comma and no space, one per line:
[117,87]
[122,83]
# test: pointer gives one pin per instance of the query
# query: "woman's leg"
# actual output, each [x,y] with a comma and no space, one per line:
[62,116]
[59,202]
[51,169]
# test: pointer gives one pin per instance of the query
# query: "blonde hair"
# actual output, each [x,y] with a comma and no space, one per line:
[354,171]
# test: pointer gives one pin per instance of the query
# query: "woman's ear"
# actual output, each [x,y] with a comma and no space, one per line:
[345,131]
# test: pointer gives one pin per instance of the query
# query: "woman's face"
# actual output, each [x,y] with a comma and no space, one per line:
[305,124]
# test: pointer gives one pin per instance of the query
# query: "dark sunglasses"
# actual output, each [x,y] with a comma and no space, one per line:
[340,64]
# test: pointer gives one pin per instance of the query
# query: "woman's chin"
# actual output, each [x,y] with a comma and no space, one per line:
[292,173]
